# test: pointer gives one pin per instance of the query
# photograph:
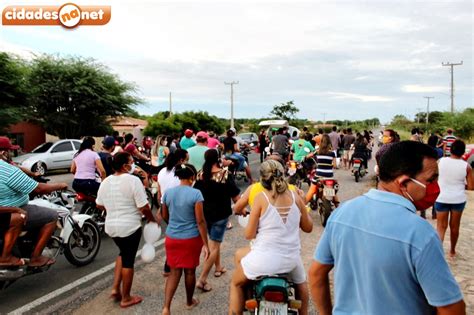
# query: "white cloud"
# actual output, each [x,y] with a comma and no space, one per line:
[308,51]
[415,88]
[360,97]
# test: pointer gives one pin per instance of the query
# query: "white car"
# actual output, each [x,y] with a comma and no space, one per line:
[50,156]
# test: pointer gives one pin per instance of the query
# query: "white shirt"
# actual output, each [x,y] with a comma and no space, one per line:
[167,180]
[452,180]
[122,196]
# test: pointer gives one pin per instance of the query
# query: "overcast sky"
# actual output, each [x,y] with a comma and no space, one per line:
[345,59]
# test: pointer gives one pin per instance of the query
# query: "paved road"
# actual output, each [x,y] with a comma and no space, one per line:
[30,288]
[33,287]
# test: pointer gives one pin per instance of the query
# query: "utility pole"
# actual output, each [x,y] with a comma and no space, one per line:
[324,119]
[428,110]
[448,64]
[419,109]
[171,106]
[231,101]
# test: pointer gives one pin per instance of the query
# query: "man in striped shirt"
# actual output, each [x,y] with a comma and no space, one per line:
[15,187]
[448,141]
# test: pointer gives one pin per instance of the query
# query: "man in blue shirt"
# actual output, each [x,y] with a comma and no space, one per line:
[387,259]
[15,187]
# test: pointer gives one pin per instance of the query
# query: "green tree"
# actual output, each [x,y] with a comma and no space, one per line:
[162,123]
[286,110]
[74,97]
[13,90]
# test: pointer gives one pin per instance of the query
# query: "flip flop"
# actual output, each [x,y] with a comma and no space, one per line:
[135,300]
[47,261]
[15,262]
[204,288]
[219,273]
[195,303]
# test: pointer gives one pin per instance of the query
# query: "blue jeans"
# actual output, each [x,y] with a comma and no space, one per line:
[238,156]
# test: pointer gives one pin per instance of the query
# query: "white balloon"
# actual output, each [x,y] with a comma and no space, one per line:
[148,253]
[151,232]
[243,221]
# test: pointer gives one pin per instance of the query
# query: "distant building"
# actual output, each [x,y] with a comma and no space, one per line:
[131,125]
[27,135]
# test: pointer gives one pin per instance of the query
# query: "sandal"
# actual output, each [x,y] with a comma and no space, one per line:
[135,300]
[219,273]
[13,262]
[204,288]
[195,303]
[42,261]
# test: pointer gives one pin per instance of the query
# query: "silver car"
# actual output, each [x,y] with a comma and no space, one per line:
[50,156]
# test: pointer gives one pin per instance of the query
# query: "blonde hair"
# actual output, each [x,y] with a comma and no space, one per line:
[272,177]
[158,143]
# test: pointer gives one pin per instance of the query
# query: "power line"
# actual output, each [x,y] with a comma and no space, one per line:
[231,101]
[171,106]
[428,110]
[448,64]
[418,109]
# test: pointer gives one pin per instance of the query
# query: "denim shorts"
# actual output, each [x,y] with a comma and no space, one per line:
[440,206]
[217,229]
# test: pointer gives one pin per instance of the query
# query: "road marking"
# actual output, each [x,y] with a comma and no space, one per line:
[28,307]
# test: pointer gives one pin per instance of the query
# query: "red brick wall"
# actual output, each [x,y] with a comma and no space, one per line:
[27,135]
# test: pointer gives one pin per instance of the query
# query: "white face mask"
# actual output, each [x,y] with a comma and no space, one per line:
[132,169]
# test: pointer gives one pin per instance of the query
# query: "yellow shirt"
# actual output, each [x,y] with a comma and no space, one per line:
[258,188]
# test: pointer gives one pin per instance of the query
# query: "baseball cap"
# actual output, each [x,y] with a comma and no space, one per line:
[202,134]
[233,130]
[188,133]
[5,144]
[109,141]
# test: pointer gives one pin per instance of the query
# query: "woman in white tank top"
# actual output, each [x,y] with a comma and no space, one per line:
[275,220]
[455,175]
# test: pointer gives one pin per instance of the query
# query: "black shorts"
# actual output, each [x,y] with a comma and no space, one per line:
[128,247]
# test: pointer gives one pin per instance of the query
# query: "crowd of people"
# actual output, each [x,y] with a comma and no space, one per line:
[380,248]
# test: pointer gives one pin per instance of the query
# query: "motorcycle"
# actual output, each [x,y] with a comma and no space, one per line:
[86,205]
[272,295]
[323,200]
[301,172]
[239,174]
[358,168]
[76,236]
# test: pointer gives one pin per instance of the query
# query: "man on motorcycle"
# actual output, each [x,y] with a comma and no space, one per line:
[298,148]
[280,144]
[231,149]
[15,187]
[5,148]
[11,222]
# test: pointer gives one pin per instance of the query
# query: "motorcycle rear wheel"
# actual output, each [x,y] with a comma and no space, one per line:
[89,245]
[326,211]
[356,174]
